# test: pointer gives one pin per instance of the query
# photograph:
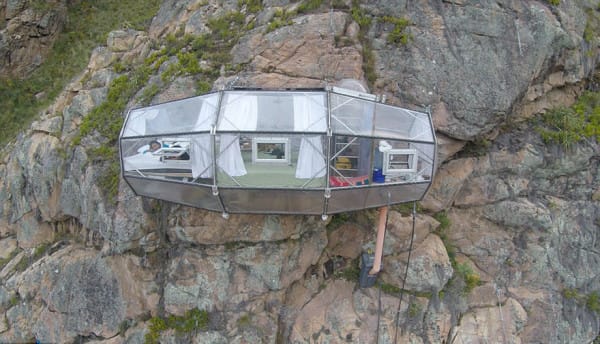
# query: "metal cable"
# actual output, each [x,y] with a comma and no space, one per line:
[412,236]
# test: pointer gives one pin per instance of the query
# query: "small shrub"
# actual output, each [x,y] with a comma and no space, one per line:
[40,251]
[406,208]
[398,34]
[157,325]
[470,277]
[339,5]
[252,6]
[203,87]
[4,261]
[309,6]
[14,300]
[593,302]
[414,309]
[369,62]
[476,148]
[441,231]
[563,126]
[149,93]
[227,27]
[281,18]
[23,264]
[442,218]
[567,126]
[360,17]
[193,319]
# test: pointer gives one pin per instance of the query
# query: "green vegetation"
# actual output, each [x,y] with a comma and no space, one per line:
[40,251]
[87,26]
[192,320]
[309,6]
[414,309]
[592,27]
[360,17]
[470,277]
[350,273]
[37,253]
[339,5]
[554,2]
[442,218]
[338,220]
[252,6]
[591,300]
[398,34]
[280,18]
[106,119]
[441,231]
[4,261]
[567,126]
[389,288]
[14,300]
[476,148]
[364,22]
[406,208]
[462,271]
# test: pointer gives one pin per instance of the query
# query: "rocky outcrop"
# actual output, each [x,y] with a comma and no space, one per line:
[504,247]
[27,33]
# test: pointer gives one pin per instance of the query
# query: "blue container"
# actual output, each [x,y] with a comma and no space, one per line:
[378,176]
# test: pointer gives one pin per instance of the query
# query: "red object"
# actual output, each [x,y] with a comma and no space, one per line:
[348,181]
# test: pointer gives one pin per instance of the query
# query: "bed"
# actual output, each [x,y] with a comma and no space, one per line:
[171,160]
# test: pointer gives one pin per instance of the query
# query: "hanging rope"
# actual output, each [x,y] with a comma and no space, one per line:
[412,236]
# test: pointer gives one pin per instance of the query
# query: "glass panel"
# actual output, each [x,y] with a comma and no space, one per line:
[186,115]
[188,194]
[260,160]
[273,201]
[398,123]
[186,158]
[351,116]
[350,163]
[273,111]
[403,162]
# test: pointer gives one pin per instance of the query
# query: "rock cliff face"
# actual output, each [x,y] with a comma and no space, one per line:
[27,32]
[506,244]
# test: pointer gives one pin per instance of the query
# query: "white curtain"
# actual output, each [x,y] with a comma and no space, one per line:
[239,113]
[200,150]
[310,115]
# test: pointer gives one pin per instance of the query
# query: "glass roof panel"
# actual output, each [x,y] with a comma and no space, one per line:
[352,116]
[398,123]
[186,115]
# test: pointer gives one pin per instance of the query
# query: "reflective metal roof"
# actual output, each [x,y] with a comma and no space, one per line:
[300,151]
